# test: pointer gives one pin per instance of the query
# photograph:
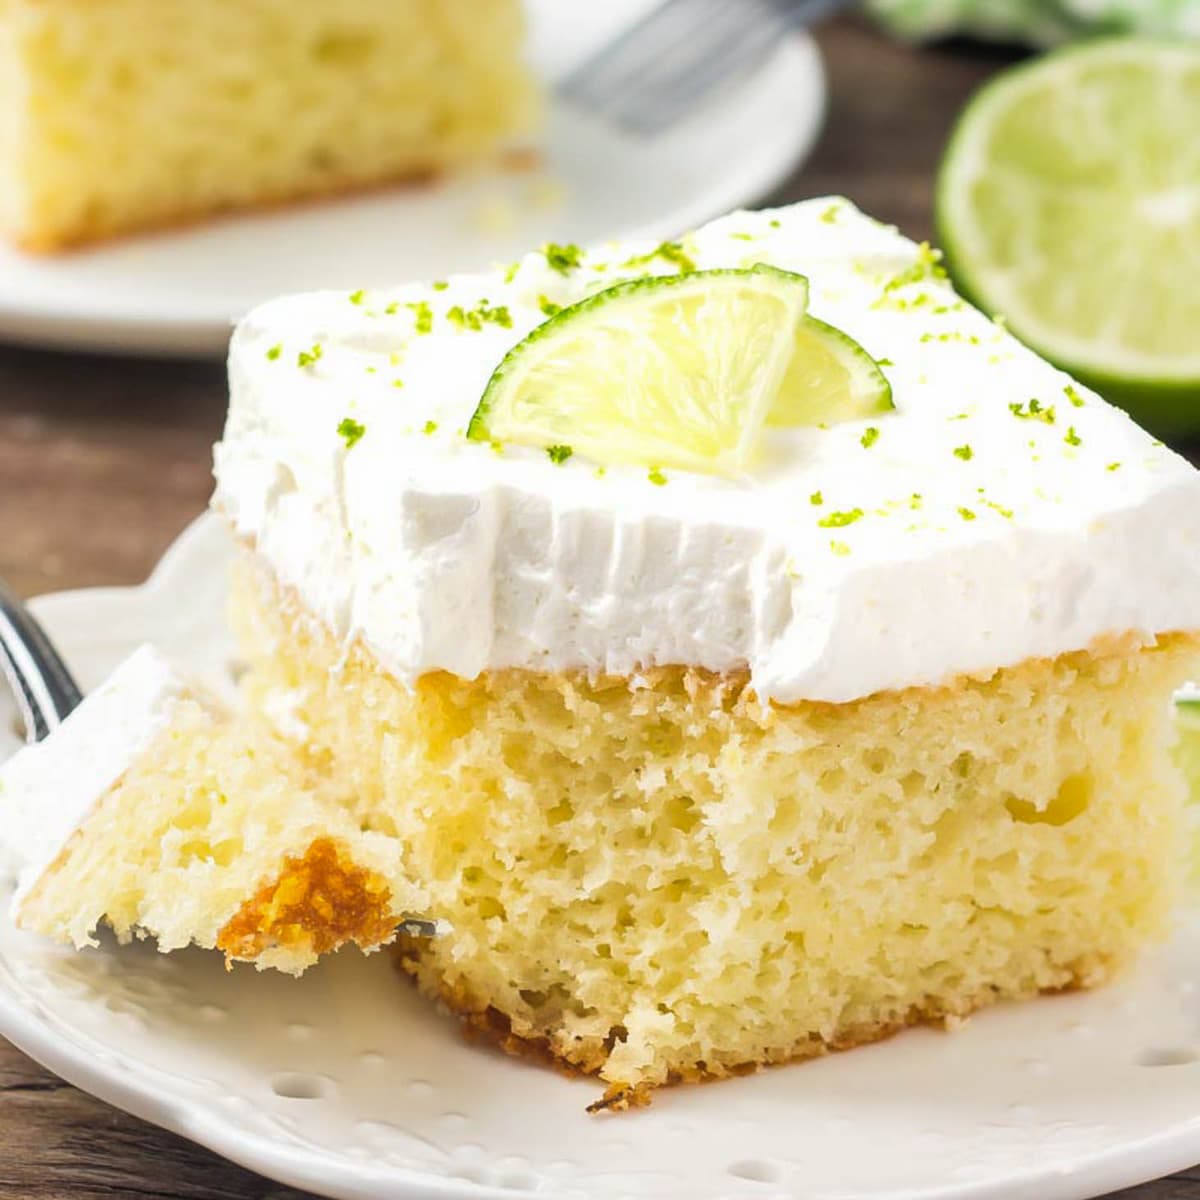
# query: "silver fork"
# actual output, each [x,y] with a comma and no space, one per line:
[656,71]
[44,688]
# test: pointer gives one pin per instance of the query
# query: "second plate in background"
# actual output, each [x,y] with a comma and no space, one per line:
[178,292]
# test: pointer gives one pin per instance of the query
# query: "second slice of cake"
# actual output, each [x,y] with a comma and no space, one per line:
[127,114]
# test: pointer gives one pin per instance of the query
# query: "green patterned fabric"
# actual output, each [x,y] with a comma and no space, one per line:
[1042,22]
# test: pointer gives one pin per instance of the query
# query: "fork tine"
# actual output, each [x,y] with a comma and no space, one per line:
[600,77]
[663,101]
[41,683]
[692,48]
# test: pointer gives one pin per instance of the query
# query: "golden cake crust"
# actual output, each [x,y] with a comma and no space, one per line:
[484,1023]
[320,900]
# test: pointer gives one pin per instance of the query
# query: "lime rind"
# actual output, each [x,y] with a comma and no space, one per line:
[660,371]
[830,379]
[1068,203]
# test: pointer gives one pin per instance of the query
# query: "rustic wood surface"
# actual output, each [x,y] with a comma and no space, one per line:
[104,460]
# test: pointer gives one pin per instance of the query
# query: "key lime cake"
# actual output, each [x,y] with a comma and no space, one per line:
[741,646]
[124,114]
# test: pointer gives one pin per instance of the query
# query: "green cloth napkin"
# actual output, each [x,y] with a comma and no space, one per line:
[1043,22]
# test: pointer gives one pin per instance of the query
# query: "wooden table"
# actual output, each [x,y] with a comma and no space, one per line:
[103,461]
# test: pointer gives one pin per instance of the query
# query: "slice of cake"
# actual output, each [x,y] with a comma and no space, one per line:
[126,114]
[709,772]
[155,811]
[745,647]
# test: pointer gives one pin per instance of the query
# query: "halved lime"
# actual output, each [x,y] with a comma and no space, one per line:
[678,371]
[1069,202]
[830,378]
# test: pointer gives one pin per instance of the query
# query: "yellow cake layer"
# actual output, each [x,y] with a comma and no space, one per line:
[662,877]
[122,114]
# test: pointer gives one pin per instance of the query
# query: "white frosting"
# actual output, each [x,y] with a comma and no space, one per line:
[1028,536]
[47,790]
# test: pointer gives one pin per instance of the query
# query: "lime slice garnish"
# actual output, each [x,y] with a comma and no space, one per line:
[830,378]
[666,371]
[679,371]
[1069,202]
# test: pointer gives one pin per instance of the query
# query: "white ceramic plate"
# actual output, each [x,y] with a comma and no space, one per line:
[178,292]
[347,1083]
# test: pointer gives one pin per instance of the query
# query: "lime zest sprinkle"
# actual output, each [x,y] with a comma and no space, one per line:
[839,548]
[350,431]
[816,499]
[830,215]
[423,314]
[774,223]
[562,259]
[429,427]
[928,266]
[966,514]
[950,335]
[1113,466]
[670,252]
[275,351]
[884,362]
[397,383]
[393,308]
[357,296]
[1007,513]
[1077,401]
[1033,411]
[673,252]
[548,307]
[439,285]
[656,477]
[964,452]
[1071,437]
[838,520]
[474,318]
[510,272]
[559,454]
[870,437]
[306,358]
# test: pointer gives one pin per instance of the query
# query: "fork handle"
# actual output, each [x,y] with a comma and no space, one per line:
[807,12]
[44,688]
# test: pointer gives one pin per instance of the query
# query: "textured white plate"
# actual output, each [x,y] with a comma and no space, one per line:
[347,1083]
[178,292]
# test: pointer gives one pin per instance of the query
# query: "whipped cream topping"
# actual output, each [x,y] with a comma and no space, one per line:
[47,790]
[1001,512]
